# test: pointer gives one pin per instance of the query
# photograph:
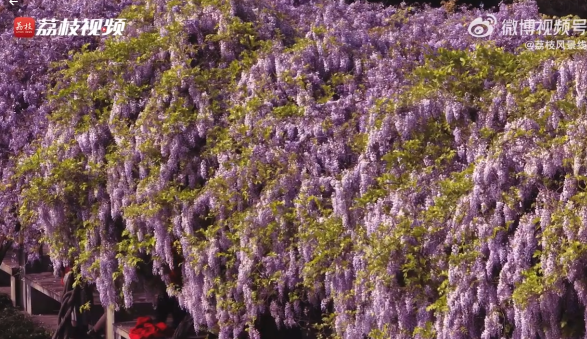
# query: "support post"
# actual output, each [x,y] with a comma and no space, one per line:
[110,319]
[21,289]
[13,290]
[29,299]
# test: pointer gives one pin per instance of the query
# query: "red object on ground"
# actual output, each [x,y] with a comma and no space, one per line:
[146,329]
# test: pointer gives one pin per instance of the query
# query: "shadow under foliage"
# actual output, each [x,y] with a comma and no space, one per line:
[16,325]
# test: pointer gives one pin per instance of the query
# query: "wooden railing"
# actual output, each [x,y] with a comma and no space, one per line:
[40,293]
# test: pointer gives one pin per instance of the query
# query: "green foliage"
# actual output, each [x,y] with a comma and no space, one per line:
[17,325]
[462,72]
[425,332]
[531,288]
[289,110]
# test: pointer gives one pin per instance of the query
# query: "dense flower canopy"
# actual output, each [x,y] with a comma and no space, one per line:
[364,170]
[24,81]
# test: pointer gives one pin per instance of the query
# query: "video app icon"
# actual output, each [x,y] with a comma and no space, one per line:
[24,27]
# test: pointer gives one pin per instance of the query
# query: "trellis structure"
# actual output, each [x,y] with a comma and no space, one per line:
[40,293]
